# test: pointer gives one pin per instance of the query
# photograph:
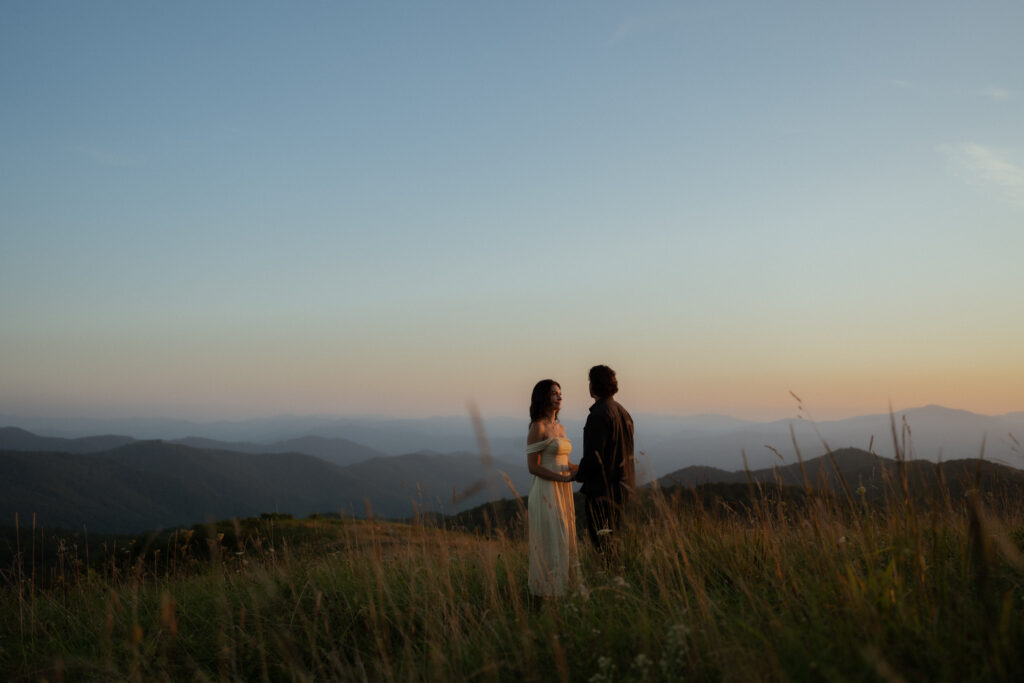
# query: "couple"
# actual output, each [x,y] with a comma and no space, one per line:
[606,471]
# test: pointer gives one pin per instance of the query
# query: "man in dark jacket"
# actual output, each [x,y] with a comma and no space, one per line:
[606,468]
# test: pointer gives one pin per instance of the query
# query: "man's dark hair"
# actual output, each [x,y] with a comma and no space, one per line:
[603,382]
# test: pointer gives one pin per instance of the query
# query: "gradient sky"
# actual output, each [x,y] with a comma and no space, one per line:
[242,209]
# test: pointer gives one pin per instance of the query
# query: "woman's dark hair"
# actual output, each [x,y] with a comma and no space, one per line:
[540,401]
[603,382]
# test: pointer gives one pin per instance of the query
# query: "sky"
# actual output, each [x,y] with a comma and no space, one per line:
[242,209]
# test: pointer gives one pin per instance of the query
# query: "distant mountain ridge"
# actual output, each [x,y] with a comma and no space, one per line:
[664,442]
[152,484]
[17,439]
[338,451]
[861,468]
[933,433]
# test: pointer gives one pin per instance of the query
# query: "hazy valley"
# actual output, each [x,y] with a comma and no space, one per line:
[398,468]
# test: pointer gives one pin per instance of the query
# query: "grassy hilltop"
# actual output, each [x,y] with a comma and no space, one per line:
[729,582]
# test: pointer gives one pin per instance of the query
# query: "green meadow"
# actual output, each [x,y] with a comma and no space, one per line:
[770,585]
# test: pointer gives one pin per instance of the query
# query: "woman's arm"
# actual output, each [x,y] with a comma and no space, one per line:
[537,470]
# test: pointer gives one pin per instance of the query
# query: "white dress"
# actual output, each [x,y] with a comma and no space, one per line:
[552,521]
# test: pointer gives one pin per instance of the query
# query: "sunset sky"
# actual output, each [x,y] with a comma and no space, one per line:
[244,209]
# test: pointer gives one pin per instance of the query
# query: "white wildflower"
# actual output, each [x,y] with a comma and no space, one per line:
[675,653]
[605,671]
[641,669]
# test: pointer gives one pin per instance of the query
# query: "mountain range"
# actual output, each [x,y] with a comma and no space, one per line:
[931,433]
[156,484]
[664,443]
[113,482]
[337,451]
[857,468]
[148,485]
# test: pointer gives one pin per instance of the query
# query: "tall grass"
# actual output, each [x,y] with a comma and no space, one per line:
[830,589]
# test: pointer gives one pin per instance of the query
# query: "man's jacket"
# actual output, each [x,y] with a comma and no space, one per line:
[607,462]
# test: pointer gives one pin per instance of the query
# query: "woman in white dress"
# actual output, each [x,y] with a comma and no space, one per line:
[552,517]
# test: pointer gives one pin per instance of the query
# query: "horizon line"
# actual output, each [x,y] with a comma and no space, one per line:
[385,417]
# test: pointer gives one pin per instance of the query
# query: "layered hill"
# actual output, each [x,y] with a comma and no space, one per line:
[929,433]
[337,450]
[858,468]
[664,443]
[16,439]
[153,484]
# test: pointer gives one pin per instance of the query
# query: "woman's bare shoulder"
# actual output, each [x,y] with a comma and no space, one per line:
[536,433]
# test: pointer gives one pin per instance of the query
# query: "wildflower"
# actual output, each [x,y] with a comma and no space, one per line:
[675,653]
[605,671]
[641,669]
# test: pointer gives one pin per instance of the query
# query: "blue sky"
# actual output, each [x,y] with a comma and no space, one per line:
[243,209]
